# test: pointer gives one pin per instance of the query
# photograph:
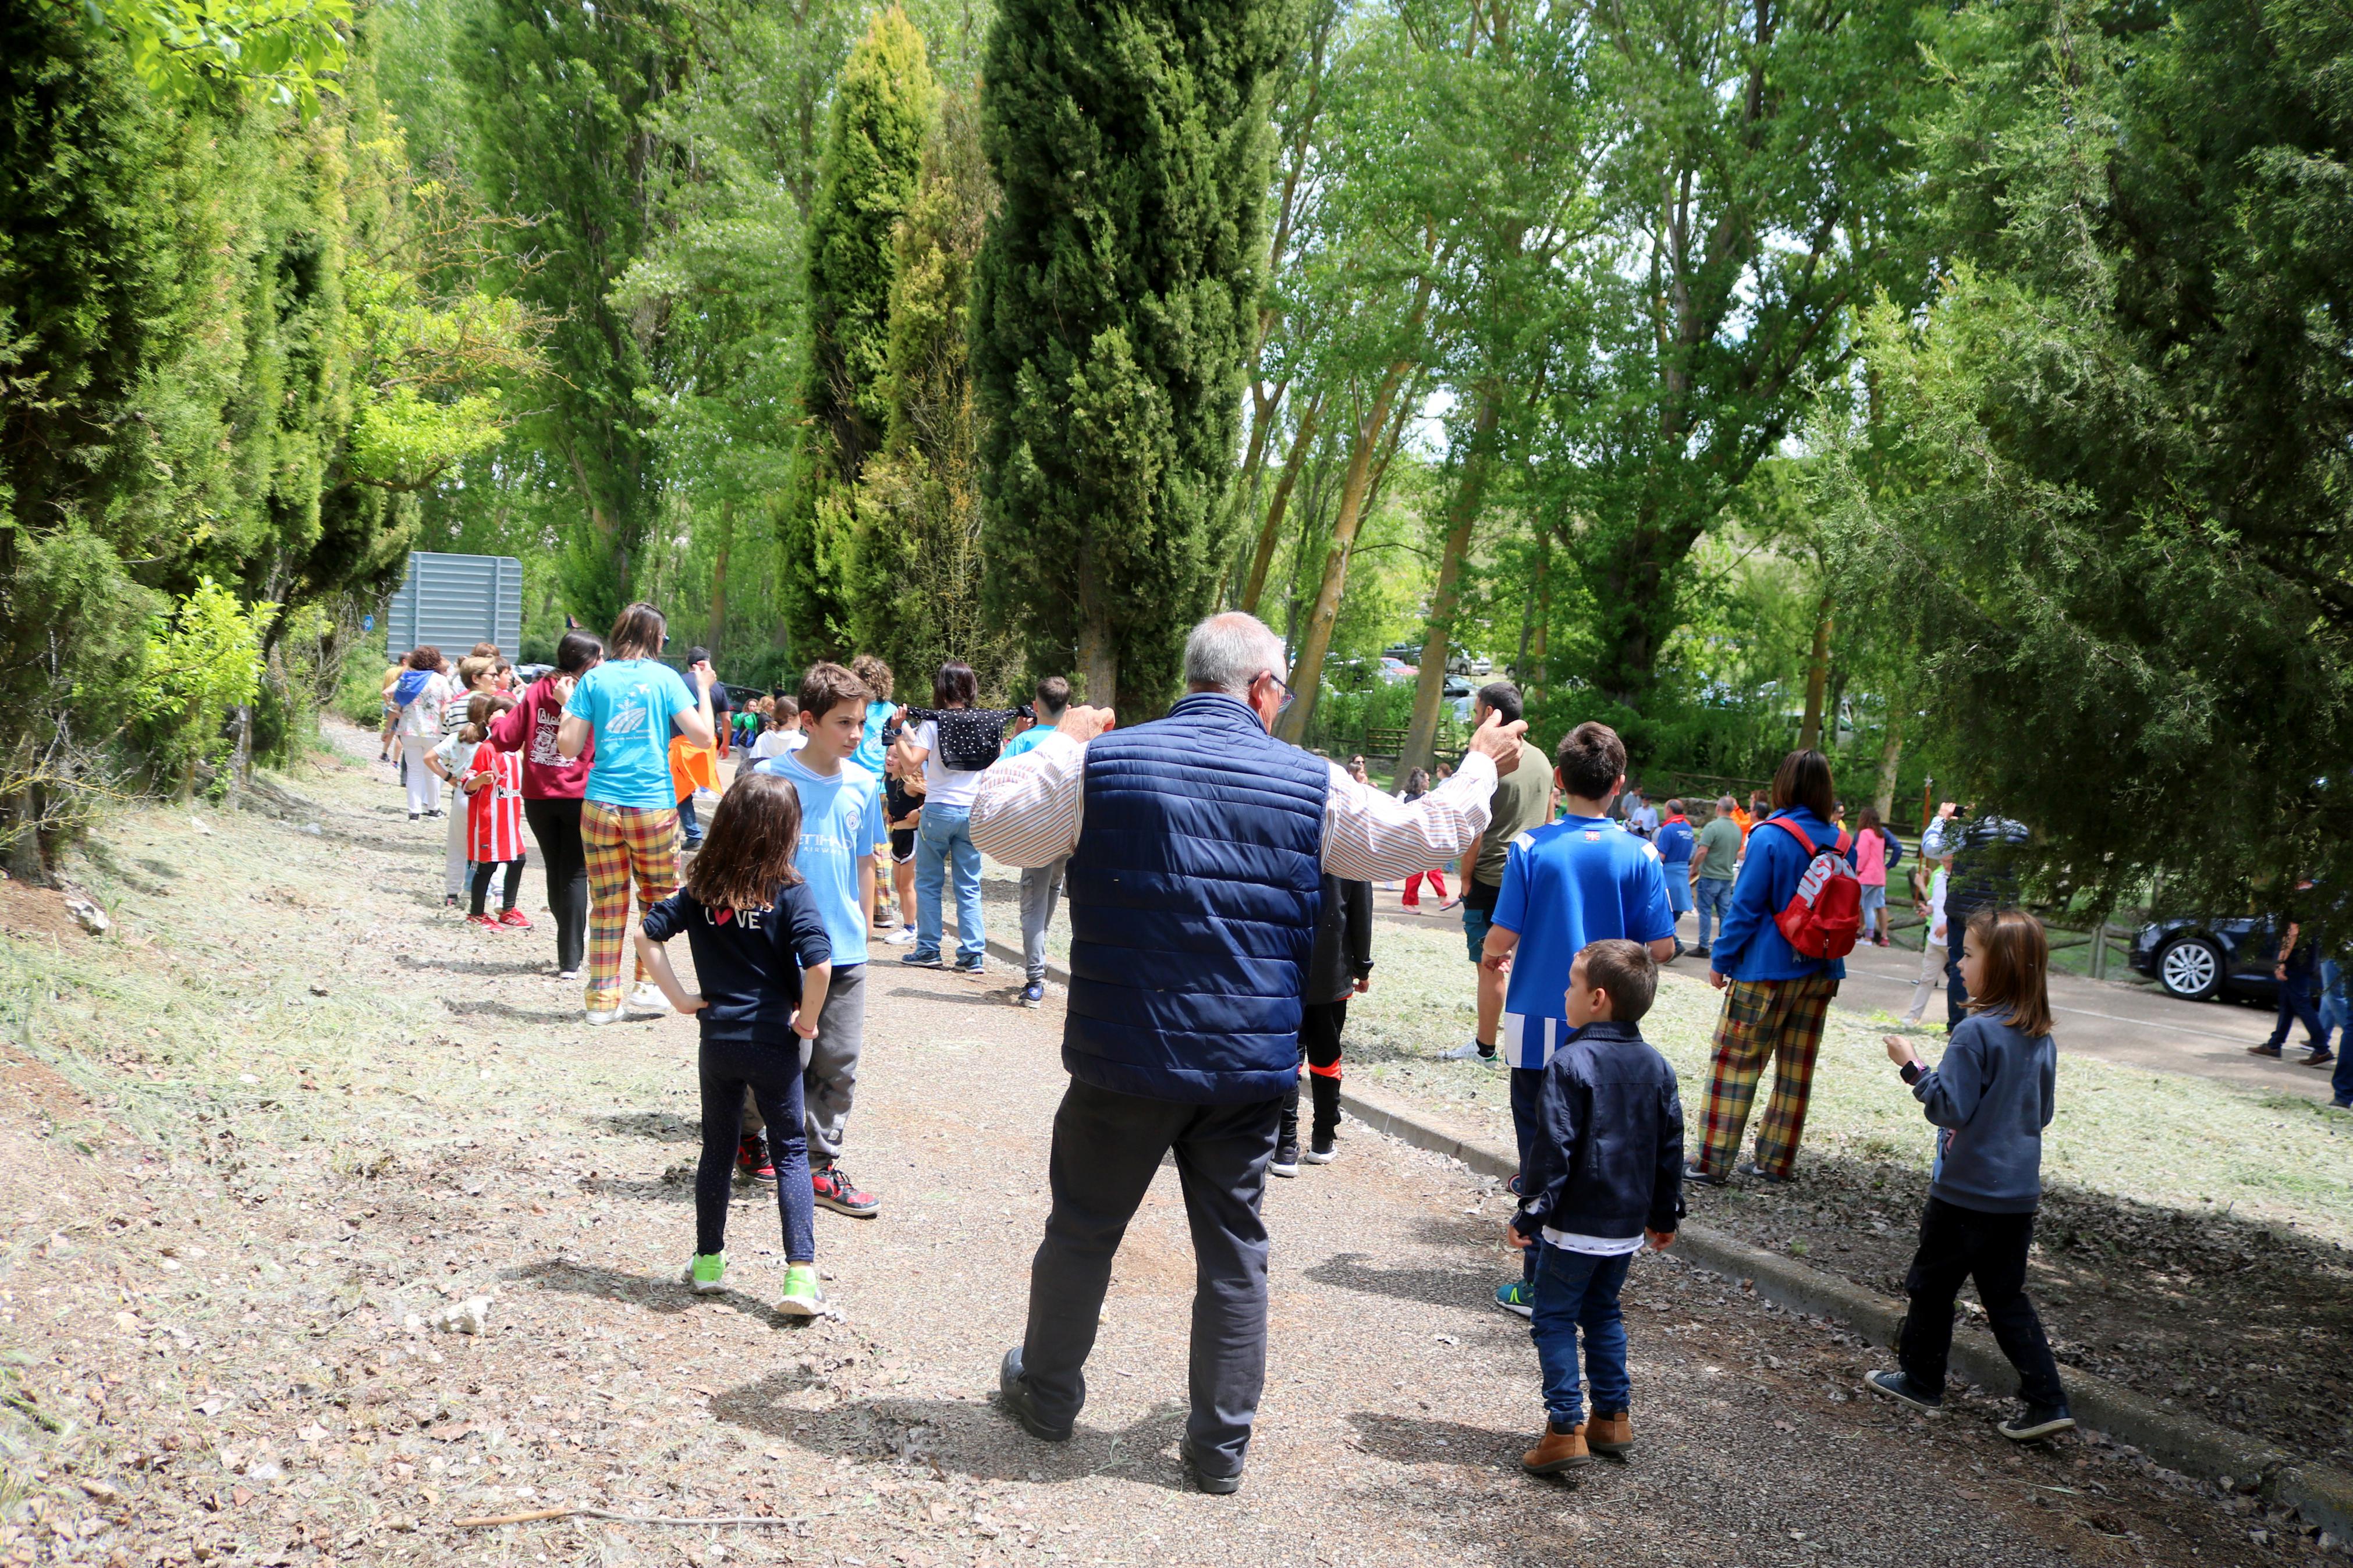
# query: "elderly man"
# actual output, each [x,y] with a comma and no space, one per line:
[1198,846]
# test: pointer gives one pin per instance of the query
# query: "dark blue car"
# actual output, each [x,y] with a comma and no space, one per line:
[2197,959]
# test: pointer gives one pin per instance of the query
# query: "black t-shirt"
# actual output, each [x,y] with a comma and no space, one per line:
[747,962]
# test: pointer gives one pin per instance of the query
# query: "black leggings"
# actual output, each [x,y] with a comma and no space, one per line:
[772,1073]
[482,869]
[1958,1244]
[556,825]
[1320,1024]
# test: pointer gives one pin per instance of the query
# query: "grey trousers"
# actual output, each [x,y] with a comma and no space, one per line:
[830,1065]
[1107,1147]
[1040,886]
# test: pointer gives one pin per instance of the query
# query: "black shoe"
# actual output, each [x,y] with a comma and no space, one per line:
[1705,1178]
[1897,1385]
[1750,1168]
[1209,1481]
[1320,1150]
[1700,952]
[2039,1422]
[1286,1161]
[1014,1394]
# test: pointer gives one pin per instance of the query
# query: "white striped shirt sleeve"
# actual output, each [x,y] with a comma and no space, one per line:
[1369,837]
[1026,812]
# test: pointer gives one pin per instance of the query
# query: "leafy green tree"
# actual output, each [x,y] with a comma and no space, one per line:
[882,113]
[2121,441]
[914,588]
[560,96]
[1114,320]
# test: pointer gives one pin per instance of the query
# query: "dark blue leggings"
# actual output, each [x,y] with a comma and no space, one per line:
[773,1074]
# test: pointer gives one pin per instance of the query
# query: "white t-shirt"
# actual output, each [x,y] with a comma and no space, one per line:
[1595,1246]
[778,742]
[1937,905]
[941,787]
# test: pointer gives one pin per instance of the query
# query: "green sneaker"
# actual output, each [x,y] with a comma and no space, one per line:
[707,1272]
[1519,1297]
[801,1295]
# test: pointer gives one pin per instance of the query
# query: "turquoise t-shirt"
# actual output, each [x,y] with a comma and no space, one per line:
[869,755]
[841,822]
[1027,739]
[629,702]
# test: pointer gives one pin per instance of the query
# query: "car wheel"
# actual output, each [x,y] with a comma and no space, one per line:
[2190,967]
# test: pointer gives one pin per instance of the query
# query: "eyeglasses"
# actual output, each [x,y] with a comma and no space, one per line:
[1283,703]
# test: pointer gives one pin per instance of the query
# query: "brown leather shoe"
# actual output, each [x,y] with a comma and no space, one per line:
[1610,1434]
[1557,1451]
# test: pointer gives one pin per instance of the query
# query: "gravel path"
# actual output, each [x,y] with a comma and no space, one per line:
[222,1259]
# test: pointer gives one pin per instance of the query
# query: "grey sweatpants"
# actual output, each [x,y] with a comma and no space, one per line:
[1107,1147]
[1040,886]
[830,1065]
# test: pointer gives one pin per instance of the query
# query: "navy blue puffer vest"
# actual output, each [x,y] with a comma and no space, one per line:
[1193,895]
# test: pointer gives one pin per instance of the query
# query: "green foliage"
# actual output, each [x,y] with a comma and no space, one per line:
[2114,473]
[914,588]
[882,114]
[192,51]
[1114,317]
[197,664]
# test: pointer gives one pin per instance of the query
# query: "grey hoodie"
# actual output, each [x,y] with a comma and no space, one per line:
[1993,1094]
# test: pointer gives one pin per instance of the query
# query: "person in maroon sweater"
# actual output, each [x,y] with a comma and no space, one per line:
[552,789]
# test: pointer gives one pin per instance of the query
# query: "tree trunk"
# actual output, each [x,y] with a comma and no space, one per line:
[1891,753]
[1818,670]
[1307,670]
[1098,660]
[1462,518]
[717,630]
[1269,532]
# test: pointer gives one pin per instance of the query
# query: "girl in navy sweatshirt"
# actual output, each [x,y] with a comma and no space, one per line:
[762,961]
[1989,1098]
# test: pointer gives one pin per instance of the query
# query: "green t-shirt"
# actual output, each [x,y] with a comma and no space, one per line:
[1519,801]
[1721,839]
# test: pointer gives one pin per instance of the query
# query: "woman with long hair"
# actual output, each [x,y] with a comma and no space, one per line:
[418,695]
[553,785]
[1871,870]
[952,742]
[1775,997]
[1417,785]
[619,716]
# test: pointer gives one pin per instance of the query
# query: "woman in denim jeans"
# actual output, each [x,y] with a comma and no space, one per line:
[943,840]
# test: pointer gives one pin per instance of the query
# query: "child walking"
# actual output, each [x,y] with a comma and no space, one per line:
[1990,1098]
[762,961]
[1603,1174]
[492,780]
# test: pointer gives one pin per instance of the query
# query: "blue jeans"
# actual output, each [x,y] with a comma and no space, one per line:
[1577,1291]
[2335,1009]
[945,834]
[2297,1004]
[1715,896]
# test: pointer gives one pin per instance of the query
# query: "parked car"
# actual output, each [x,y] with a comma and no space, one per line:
[1394,670]
[1458,685]
[2197,959]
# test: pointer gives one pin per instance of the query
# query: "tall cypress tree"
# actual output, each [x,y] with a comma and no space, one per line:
[1114,317]
[882,114]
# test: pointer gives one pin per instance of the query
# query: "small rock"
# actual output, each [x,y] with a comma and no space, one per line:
[198,824]
[314,830]
[266,1471]
[318,991]
[101,1491]
[86,912]
[470,1316]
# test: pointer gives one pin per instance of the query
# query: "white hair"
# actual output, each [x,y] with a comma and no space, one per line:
[1227,652]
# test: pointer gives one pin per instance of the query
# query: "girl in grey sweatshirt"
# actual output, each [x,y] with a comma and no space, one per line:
[1990,1100]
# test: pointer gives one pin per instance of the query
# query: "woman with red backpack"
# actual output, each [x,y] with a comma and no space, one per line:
[1796,912]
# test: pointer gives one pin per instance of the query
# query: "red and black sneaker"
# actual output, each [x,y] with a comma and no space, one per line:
[839,1194]
[752,1163]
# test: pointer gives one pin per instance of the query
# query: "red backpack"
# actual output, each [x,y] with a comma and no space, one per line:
[1824,916]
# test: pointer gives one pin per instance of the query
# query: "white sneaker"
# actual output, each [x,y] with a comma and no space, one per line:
[602,1014]
[903,937]
[647,999]
[1468,1051]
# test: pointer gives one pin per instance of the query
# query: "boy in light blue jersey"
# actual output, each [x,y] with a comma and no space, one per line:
[841,821]
[1581,879]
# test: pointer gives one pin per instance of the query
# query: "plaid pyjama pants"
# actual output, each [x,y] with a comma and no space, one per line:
[1775,1020]
[618,840]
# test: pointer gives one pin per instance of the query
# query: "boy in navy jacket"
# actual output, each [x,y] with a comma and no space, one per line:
[1603,1175]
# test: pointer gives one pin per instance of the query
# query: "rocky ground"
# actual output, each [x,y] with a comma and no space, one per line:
[262,1139]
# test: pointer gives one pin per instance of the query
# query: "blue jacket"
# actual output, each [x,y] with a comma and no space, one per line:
[1607,1156]
[1194,896]
[1749,946]
[1992,1094]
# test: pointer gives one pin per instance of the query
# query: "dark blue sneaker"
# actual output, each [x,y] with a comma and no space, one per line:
[1898,1386]
[1034,994]
[969,966]
[920,960]
[1518,1297]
